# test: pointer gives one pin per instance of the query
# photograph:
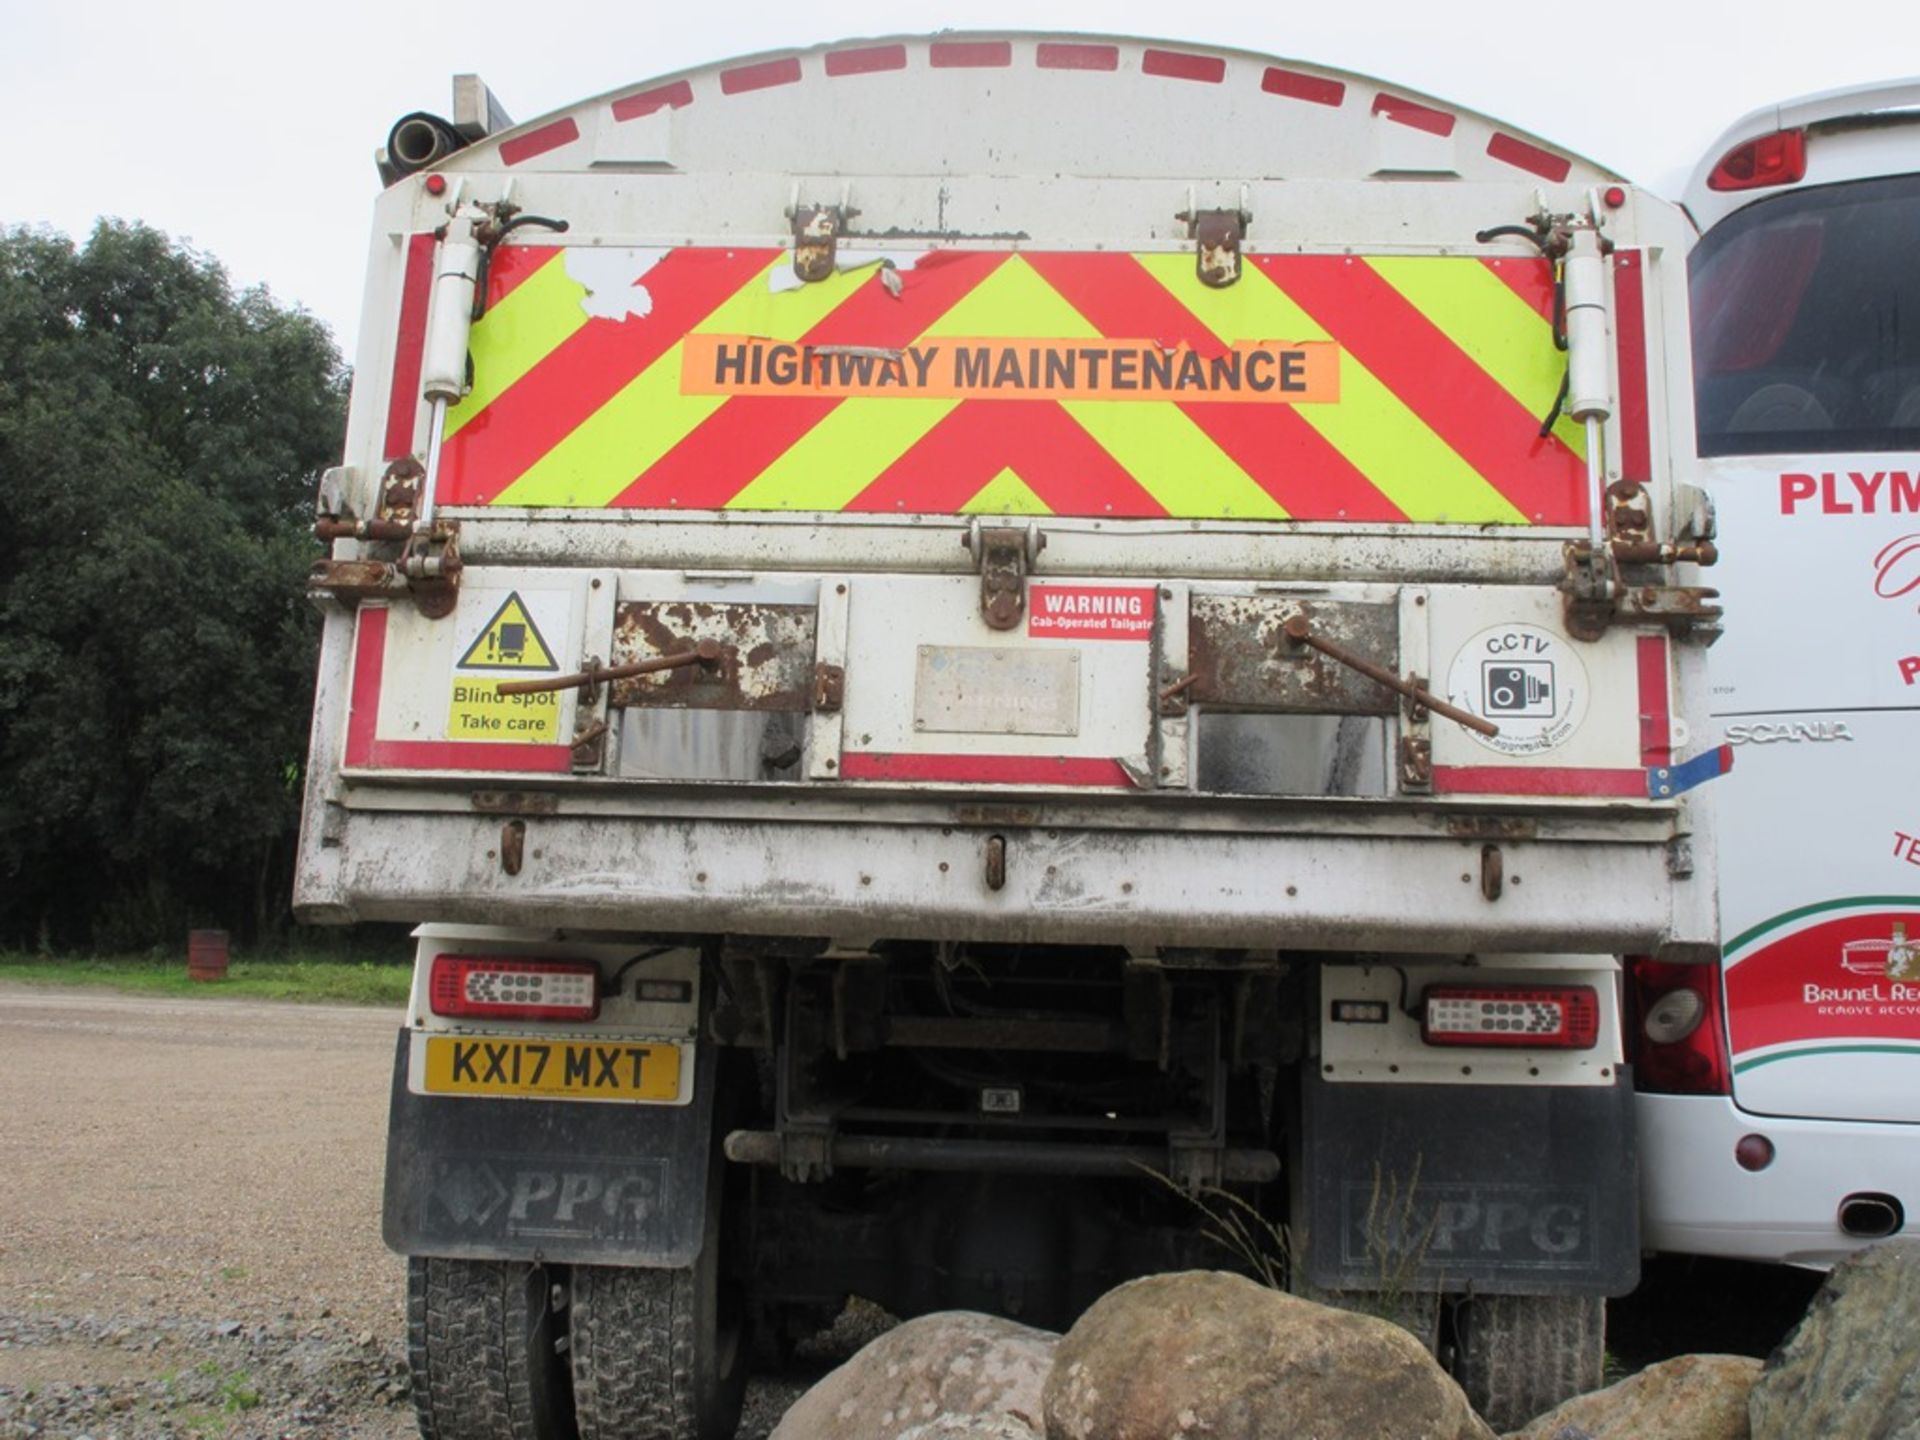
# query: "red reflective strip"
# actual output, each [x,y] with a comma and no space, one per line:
[746,434]
[1421,364]
[586,370]
[632,107]
[1275,445]
[1178,65]
[1656,729]
[1057,55]
[970,54]
[548,137]
[977,439]
[866,61]
[363,705]
[1295,86]
[764,76]
[470,755]
[366,751]
[1510,150]
[986,769]
[409,346]
[1412,113]
[1529,278]
[1536,780]
[1630,336]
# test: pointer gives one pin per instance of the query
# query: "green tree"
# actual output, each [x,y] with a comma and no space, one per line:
[159,441]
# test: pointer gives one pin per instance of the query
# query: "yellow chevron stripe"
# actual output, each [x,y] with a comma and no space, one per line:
[1499,331]
[649,416]
[1378,434]
[1006,494]
[1174,460]
[840,456]
[518,333]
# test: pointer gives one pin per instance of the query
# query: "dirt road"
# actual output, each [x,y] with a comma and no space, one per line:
[192,1202]
[190,1224]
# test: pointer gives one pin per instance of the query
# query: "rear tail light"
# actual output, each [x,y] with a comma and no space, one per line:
[1533,1017]
[501,987]
[1679,1036]
[1776,159]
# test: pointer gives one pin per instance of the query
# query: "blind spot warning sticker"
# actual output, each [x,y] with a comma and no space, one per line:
[509,641]
[510,644]
[1525,679]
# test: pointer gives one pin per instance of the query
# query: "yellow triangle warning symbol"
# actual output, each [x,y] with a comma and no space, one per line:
[1005,494]
[509,641]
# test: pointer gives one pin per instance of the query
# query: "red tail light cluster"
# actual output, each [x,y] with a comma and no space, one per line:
[1776,159]
[505,987]
[1534,1017]
[1679,1035]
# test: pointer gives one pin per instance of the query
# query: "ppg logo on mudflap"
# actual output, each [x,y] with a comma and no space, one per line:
[572,1201]
[1522,687]
[1476,1226]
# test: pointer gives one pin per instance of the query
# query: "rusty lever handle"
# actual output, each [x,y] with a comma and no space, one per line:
[1299,631]
[704,653]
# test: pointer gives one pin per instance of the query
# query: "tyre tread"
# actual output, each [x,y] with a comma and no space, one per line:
[1524,1354]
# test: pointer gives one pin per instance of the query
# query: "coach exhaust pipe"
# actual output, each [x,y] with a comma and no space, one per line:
[1871,1217]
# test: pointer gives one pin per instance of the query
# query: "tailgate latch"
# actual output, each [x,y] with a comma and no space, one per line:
[1005,556]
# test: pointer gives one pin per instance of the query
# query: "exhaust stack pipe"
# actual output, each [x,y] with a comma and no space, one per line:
[1871,1217]
[420,140]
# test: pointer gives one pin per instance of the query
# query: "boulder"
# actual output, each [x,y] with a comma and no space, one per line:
[951,1376]
[1852,1367]
[1215,1355]
[1692,1397]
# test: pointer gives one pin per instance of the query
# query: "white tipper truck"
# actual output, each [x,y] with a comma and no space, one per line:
[968,649]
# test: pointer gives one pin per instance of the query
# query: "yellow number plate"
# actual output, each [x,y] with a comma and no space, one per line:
[558,1069]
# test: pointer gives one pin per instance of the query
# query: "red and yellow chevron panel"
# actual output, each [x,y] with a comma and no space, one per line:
[1328,388]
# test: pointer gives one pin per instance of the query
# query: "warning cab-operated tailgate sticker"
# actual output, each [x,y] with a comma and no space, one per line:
[1352,389]
[1090,612]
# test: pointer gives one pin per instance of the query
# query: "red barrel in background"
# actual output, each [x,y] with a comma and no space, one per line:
[206,954]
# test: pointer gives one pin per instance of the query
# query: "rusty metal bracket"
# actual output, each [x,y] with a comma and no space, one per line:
[1217,235]
[1588,591]
[816,233]
[1416,762]
[829,688]
[431,564]
[589,746]
[1005,556]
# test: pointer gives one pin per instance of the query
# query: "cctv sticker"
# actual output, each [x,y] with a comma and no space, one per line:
[1525,679]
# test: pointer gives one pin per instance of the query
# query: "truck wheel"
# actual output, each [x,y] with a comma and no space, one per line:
[1518,1356]
[480,1347]
[657,1354]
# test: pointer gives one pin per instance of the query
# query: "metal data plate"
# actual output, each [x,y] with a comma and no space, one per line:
[983,690]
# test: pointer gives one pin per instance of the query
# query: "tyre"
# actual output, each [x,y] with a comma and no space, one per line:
[657,1354]
[481,1349]
[1518,1356]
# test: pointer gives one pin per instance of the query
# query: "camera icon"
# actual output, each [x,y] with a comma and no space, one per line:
[1517,687]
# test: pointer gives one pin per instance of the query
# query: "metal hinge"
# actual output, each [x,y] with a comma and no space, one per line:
[1005,557]
[816,233]
[1217,235]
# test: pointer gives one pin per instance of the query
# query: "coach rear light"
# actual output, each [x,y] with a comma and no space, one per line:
[1536,1017]
[1776,159]
[508,988]
[1674,1016]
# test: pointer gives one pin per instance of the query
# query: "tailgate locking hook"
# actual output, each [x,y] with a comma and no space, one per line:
[1005,556]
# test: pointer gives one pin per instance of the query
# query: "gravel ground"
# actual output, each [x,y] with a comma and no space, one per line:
[191,1233]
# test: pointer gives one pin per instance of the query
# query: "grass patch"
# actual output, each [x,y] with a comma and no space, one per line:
[295,978]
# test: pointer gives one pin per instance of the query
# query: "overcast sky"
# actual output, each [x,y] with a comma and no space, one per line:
[248,126]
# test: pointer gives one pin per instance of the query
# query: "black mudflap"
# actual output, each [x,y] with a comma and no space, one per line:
[593,1183]
[1503,1190]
